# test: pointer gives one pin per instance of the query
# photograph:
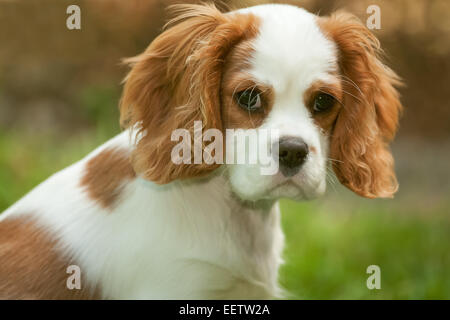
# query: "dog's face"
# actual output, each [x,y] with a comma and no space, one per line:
[317,82]
[291,73]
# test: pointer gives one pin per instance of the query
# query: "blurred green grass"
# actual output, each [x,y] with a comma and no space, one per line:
[327,253]
[328,247]
[29,156]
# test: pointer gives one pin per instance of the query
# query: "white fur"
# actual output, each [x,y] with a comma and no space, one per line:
[197,239]
[181,240]
[290,54]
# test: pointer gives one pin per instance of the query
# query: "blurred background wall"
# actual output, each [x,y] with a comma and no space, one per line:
[59,91]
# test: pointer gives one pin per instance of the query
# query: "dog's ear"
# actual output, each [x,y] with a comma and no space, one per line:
[369,117]
[175,82]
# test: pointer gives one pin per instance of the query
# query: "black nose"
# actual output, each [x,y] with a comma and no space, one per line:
[292,154]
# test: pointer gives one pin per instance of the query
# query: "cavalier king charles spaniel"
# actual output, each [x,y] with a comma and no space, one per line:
[131,223]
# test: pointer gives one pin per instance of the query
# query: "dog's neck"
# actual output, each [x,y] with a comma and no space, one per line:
[216,187]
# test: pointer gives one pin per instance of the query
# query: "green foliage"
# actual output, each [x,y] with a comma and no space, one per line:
[99,107]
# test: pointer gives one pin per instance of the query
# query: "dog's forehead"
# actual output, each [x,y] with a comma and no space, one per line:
[290,49]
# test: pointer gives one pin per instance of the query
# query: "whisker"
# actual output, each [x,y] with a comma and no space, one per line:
[331,159]
[350,94]
[348,80]
[331,178]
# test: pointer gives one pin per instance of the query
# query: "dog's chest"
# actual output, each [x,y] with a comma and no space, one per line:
[205,250]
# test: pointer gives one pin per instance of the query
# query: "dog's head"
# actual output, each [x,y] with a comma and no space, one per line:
[317,81]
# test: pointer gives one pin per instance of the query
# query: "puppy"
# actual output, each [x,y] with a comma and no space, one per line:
[133,224]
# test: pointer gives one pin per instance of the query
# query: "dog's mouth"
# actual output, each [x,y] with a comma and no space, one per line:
[288,183]
[286,189]
[297,188]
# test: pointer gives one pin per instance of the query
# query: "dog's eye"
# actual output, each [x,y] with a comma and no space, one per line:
[323,102]
[249,99]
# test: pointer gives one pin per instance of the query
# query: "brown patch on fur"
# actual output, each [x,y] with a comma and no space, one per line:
[326,119]
[31,267]
[236,79]
[368,119]
[106,174]
[177,81]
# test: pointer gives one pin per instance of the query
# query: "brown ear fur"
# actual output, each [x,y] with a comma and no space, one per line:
[369,118]
[177,81]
